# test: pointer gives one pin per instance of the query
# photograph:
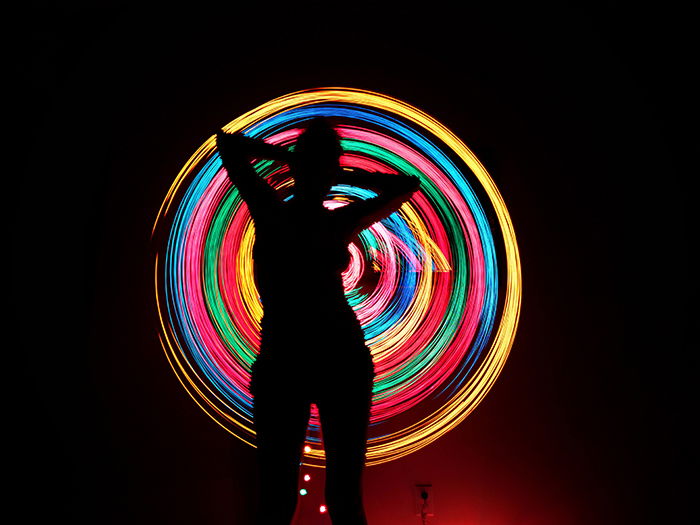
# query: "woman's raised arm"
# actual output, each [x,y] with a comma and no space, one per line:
[392,191]
[236,150]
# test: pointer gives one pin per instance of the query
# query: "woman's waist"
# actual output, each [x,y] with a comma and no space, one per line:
[338,357]
[289,330]
[309,310]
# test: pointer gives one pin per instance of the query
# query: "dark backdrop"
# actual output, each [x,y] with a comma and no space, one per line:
[576,112]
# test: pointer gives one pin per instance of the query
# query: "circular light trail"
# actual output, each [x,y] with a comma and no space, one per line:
[436,286]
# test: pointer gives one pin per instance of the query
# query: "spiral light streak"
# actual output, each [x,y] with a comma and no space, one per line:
[438,309]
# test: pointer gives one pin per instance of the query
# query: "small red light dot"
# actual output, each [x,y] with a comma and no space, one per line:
[307,477]
[322,509]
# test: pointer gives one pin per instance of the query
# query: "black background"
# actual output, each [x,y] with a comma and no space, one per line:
[578,113]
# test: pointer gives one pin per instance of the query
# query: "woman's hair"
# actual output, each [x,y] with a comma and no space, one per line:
[319,139]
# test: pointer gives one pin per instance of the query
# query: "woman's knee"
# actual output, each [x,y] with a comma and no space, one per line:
[276,509]
[278,496]
[344,496]
[346,512]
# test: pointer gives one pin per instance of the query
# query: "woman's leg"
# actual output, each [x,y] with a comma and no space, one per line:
[344,411]
[281,417]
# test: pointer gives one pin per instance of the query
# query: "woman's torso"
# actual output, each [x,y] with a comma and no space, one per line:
[299,256]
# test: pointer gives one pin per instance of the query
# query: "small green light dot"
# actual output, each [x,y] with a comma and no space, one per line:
[303,492]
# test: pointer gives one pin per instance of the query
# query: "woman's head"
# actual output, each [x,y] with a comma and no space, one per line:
[317,153]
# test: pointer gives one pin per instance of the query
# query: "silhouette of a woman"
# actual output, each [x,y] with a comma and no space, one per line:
[300,251]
